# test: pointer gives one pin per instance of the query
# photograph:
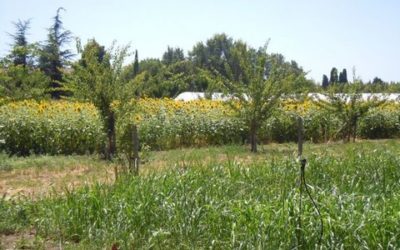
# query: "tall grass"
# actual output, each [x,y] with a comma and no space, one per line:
[233,205]
[229,205]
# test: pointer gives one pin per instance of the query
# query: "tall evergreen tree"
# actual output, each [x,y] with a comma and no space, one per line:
[343,76]
[334,76]
[53,58]
[136,64]
[20,53]
[19,79]
[325,81]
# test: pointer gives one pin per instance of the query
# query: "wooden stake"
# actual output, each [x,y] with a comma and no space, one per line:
[135,144]
[300,136]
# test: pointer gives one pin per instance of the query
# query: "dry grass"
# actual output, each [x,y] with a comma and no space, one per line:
[30,180]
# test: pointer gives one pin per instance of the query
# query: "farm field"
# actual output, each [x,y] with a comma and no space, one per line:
[189,138]
[213,197]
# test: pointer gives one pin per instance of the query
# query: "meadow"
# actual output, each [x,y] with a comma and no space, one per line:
[216,197]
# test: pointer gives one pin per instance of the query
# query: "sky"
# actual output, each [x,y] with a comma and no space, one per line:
[317,34]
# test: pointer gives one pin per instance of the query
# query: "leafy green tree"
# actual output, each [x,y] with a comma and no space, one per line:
[157,80]
[164,81]
[173,55]
[214,54]
[261,81]
[53,57]
[99,80]
[93,49]
[149,78]
[294,87]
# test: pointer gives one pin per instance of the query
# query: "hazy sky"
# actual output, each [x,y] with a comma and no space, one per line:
[318,34]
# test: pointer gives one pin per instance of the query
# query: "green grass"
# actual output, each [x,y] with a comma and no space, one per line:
[8,163]
[244,201]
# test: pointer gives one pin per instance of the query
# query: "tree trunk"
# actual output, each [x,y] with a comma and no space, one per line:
[355,129]
[135,144]
[347,131]
[253,136]
[111,145]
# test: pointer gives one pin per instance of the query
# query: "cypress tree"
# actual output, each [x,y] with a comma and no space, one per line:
[343,76]
[334,76]
[136,64]
[325,81]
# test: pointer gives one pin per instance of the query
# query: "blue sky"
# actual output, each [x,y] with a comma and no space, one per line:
[318,34]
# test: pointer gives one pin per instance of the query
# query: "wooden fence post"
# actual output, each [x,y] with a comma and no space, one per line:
[135,147]
[300,136]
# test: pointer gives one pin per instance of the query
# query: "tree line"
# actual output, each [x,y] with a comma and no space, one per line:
[45,69]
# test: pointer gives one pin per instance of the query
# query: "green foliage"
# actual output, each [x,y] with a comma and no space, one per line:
[14,217]
[159,80]
[380,123]
[19,82]
[214,54]
[173,55]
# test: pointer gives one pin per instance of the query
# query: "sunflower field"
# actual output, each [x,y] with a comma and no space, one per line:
[50,127]
[65,127]
[166,123]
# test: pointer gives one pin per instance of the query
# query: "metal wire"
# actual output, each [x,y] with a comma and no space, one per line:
[303,181]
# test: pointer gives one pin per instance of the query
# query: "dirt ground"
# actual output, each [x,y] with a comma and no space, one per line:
[33,182]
